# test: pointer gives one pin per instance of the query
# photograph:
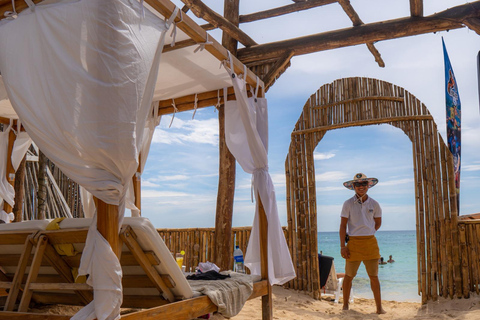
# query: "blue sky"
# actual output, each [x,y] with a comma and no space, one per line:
[179,184]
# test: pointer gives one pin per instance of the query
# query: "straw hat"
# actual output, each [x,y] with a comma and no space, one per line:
[359,177]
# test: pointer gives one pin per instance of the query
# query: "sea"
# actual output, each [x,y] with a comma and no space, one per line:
[398,280]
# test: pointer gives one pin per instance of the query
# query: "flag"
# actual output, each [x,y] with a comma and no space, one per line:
[452,101]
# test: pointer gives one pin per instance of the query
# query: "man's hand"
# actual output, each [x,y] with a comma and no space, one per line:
[345,253]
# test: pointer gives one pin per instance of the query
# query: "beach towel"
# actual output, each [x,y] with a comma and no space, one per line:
[363,248]
[228,295]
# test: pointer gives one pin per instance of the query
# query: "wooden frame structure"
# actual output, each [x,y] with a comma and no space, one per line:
[360,102]
[270,60]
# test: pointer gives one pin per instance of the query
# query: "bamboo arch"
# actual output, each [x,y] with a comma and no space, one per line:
[359,102]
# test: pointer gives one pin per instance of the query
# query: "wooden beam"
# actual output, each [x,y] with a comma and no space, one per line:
[362,123]
[416,8]
[204,12]
[376,54]
[179,45]
[289,8]
[107,224]
[185,103]
[267,300]
[446,20]
[197,34]
[352,14]
[223,246]
[277,68]
[473,24]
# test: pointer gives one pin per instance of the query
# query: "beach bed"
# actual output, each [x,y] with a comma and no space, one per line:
[151,276]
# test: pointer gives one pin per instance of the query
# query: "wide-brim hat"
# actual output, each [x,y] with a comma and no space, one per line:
[359,177]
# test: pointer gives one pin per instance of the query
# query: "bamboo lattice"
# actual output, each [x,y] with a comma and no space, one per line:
[359,102]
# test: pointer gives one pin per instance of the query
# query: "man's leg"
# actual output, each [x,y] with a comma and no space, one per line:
[351,268]
[372,270]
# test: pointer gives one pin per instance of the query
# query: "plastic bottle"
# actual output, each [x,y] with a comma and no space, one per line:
[238,260]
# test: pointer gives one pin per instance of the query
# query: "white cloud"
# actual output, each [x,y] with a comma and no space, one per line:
[162,194]
[177,177]
[146,183]
[331,176]
[184,131]
[394,182]
[471,167]
[323,156]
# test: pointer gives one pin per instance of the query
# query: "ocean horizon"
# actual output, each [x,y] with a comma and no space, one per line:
[398,280]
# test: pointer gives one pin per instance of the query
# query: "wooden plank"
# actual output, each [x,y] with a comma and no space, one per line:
[19,274]
[204,12]
[129,238]
[446,20]
[127,259]
[64,270]
[33,273]
[277,68]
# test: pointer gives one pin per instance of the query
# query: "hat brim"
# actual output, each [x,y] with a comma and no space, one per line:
[371,182]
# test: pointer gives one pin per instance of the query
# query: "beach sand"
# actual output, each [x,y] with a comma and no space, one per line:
[291,305]
[288,304]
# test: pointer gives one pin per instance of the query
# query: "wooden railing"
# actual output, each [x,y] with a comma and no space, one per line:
[469,241]
[198,243]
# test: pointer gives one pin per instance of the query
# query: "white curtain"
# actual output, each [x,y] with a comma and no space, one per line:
[81,75]
[20,148]
[7,193]
[247,140]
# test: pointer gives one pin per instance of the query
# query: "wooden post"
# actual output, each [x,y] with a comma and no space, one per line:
[10,171]
[19,190]
[226,174]
[137,185]
[267,303]
[107,224]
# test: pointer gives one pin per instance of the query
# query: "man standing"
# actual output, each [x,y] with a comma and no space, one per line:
[363,217]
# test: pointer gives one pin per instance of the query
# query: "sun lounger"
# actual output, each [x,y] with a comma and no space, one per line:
[16,244]
[151,276]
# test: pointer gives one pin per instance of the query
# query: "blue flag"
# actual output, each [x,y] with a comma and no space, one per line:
[452,100]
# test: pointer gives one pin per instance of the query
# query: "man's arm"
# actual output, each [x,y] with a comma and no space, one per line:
[343,231]
[378,223]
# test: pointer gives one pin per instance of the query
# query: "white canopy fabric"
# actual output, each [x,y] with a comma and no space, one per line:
[20,148]
[7,193]
[81,77]
[247,140]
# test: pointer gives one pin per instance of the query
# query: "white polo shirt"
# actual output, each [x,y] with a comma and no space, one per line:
[361,216]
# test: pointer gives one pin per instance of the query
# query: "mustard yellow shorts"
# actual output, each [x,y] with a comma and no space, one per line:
[351,267]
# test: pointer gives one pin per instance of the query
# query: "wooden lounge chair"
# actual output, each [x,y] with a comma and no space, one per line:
[16,244]
[152,278]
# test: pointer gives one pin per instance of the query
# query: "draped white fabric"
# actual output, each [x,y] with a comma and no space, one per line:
[81,76]
[20,148]
[247,140]
[7,193]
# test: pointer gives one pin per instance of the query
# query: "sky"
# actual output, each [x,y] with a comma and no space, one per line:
[180,180]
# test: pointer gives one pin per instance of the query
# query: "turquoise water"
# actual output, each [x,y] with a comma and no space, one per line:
[398,280]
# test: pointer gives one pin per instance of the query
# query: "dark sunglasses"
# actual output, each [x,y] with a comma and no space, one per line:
[360,184]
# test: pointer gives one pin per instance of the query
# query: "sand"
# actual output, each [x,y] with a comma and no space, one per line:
[291,305]
[288,304]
